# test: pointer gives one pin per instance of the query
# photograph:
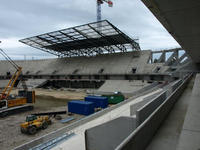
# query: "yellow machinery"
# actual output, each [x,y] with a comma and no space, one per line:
[25,96]
[33,123]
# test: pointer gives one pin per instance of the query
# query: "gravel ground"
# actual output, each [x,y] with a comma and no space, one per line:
[54,100]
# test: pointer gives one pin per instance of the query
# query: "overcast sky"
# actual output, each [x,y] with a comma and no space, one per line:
[24,18]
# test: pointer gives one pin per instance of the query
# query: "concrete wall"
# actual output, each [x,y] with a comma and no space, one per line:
[109,135]
[176,84]
[140,138]
[172,86]
[144,112]
[135,107]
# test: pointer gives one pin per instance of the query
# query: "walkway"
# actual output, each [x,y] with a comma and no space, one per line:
[168,135]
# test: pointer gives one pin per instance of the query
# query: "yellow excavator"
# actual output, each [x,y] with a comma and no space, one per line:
[23,97]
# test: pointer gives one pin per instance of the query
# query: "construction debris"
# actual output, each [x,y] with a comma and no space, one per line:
[68,119]
[50,113]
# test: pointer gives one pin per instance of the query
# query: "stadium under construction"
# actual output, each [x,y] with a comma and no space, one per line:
[109,93]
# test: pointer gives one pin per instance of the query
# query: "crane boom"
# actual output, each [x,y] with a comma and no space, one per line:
[22,98]
[15,76]
[11,83]
[9,59]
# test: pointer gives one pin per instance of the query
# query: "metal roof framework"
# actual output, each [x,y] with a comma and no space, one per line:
[86,40]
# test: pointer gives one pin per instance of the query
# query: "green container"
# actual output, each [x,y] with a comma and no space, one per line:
[114,98]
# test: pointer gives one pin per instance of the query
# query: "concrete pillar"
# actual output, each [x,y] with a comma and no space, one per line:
[170,61]
[181,58]
[162,58]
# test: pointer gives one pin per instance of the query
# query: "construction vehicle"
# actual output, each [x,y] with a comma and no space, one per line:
[34,123]
[6,99]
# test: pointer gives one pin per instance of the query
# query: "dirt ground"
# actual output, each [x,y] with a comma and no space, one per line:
[46,100]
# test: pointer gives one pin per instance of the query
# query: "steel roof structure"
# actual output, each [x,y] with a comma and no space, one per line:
[86,40]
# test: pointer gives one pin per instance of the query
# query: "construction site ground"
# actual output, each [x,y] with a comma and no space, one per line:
[47,100]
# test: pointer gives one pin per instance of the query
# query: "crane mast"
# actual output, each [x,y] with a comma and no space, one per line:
[99,3]
[98,11]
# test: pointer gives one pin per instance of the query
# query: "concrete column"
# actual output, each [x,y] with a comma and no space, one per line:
[170,60]
[162,58]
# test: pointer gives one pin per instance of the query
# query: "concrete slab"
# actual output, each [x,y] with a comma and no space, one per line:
[109,135]
[190,135]
[124,86]
[192,120]
[190,140]
[74,143]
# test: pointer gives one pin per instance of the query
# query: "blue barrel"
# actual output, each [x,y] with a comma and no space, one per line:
[99,101]
[81,107]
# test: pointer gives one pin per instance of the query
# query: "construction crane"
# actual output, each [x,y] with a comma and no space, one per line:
[15,76]
[99,3]
[24,97]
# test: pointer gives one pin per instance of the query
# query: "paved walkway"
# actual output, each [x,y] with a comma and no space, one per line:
[190,134]
[168,135]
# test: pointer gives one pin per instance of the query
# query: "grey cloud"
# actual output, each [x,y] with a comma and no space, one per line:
[25,18]
[26,52]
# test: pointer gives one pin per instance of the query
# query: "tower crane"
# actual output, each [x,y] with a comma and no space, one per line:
[99,3]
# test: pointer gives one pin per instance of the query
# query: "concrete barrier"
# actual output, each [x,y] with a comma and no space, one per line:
[150,87]
[135,107]
[144,112]
[140,138]
[172,86]
[176,84]
[109,135]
